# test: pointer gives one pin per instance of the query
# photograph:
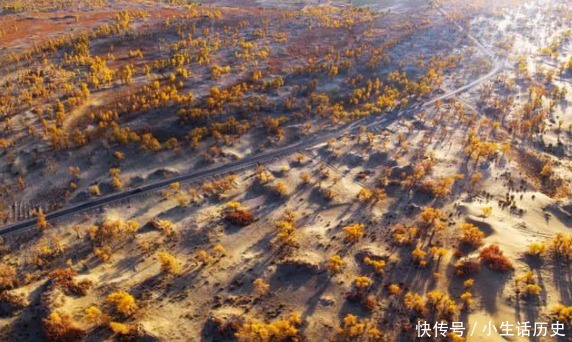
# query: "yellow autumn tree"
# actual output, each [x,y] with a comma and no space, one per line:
[260,286]
[94,315]
[335,264]
[123,302]
[353,232]
[169,263]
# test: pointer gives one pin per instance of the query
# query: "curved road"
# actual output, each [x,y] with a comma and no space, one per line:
[253,160]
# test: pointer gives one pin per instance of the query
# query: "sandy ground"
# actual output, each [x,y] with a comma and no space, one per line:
[214,293]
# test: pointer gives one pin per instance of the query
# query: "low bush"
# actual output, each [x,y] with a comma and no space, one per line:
[240,218]
[494,259]
[60,327]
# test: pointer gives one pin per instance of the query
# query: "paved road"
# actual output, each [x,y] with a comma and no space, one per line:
[248,162]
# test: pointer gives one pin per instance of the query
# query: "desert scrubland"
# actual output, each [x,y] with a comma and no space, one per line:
[285,170]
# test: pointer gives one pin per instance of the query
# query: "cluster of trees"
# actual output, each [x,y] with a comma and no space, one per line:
[435,303]
[166,227]
[560,246]
[59,325]
[204,258]
[45,84]
[214,117]
[527,285]
[283,329]
[377,265]
[353,328]
[108,234]
[198,44]
[433,218]
[477,149]
[45,6]
[372,196]
[561,313]
[441,186]
[122,305]
[403,235]
[8,277]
